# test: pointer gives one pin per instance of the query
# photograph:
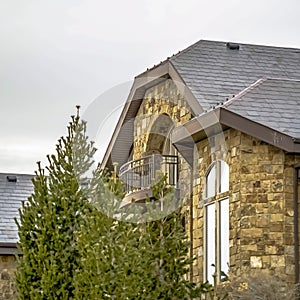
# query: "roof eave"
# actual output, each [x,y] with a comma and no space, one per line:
[8,248]
[259,131]
[219,119]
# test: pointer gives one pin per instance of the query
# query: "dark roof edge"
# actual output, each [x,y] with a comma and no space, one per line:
[296,140]
[141,75]
[222,118]
[8,245]
[8,248]
[259,131]
[17,174]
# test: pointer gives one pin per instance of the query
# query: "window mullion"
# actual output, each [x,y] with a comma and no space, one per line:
[218,239]
[218,177]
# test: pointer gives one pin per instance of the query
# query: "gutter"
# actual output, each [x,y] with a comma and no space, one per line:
[191,222]
[8,249]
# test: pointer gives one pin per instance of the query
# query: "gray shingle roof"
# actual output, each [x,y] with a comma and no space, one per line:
[275,103]
[11,196]
[213,72]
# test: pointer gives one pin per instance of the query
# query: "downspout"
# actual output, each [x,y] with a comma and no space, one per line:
[296,222]
[191,221]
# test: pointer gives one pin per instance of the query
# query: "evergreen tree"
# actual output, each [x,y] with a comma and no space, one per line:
[50,217]
[165,248]
[110,261]
[122,260]
[73,247]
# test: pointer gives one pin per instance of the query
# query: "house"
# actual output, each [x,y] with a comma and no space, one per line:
[222,120]
[14,188]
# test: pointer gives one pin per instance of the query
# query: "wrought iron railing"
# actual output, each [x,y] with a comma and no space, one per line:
[140,174]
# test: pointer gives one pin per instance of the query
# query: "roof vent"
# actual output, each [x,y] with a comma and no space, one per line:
[11,178]
[233,46]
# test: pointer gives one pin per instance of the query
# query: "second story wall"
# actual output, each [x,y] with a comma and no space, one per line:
[261,207]
[163,99]
[162,109]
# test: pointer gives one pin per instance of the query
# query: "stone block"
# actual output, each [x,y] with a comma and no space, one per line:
[276,218]
[251,233]
[277,261]
[256,262]
[271,249]
[262,221]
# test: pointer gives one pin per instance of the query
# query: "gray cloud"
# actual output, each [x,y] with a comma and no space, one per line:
[56,54]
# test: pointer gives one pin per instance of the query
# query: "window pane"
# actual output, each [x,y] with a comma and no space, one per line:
[211,182]
[224,177]
[224,235]
[210,242]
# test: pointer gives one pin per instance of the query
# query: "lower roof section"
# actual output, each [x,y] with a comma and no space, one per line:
[219,119]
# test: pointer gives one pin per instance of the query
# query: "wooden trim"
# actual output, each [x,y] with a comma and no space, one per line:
[216,121]
[262,132]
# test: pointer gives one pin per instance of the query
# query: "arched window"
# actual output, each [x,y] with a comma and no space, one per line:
[217,179]
[159,137]
[217,221]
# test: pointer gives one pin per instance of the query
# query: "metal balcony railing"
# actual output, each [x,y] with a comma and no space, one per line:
[139,174]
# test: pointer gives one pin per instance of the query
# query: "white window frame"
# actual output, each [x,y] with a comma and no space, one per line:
[220,240]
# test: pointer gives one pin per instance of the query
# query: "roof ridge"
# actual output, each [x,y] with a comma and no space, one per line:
[236,42]
[282,79]
[244,91]
[16,174]
[180,52]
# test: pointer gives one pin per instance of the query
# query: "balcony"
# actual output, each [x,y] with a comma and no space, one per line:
[138,175]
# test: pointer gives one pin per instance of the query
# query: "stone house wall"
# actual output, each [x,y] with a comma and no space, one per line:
[261,203]
[162,99]
[7,270]
[260,188]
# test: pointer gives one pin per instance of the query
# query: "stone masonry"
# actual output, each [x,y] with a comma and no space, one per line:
[162,99]
[261,203]
[7,284]
[260,188]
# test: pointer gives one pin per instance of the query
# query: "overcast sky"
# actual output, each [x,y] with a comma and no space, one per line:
[56,54]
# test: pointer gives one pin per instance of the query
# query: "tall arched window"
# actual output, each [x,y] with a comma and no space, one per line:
[217,221]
